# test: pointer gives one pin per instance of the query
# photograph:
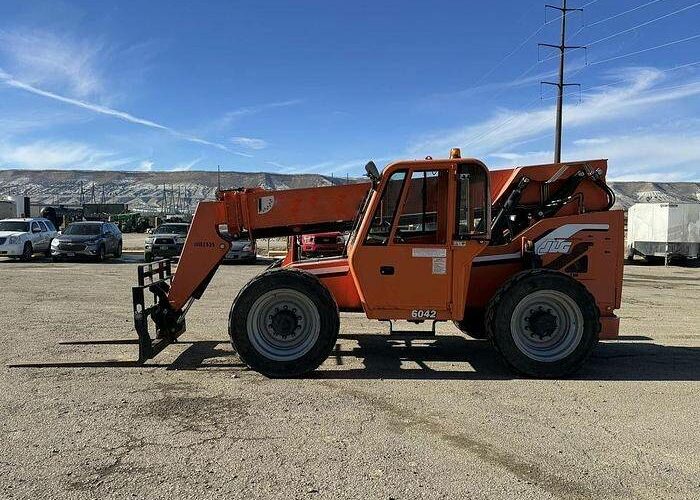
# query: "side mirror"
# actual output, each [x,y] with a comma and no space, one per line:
[373,173]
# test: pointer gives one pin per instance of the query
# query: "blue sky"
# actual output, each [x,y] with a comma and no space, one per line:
[323,86]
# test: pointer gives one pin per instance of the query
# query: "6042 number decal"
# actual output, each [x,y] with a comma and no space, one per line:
[423,314]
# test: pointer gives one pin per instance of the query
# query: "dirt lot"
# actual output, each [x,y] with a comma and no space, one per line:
[435,419]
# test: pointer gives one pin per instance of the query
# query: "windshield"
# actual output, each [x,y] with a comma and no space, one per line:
[171,229]
[84,229]
[8,225]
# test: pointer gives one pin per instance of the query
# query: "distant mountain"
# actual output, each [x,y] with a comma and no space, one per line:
[629,193]
[144,191]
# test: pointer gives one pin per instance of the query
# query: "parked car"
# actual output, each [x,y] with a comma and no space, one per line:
[88,239]
[22,238]
[242,251]
[166,240]
[322,244]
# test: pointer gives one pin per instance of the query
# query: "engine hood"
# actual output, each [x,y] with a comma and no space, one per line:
[77,238]
[7,234]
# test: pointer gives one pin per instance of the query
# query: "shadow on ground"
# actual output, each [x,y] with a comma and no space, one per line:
[632,358]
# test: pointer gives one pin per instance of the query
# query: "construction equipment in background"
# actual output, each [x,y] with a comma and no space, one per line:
[133,222]
[530,257]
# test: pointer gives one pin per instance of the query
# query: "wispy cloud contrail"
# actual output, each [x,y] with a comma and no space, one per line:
[7,79]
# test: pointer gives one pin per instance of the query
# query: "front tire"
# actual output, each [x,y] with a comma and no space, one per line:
[544,323]
[284,323]
[118,253]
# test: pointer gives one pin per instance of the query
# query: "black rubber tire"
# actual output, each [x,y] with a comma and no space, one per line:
[56,259]
[501,308]
[147,257]
[472,328]
[300,281]
[27,252]
[47,253]
[100,257]
[118,253]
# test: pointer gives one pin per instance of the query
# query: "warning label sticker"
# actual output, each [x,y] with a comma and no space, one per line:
[439,265]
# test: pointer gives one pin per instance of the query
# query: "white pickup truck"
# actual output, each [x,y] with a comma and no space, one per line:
[23,237]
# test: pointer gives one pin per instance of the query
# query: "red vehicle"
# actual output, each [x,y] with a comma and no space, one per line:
[322,244]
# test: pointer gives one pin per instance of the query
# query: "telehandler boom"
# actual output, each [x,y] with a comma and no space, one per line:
[529,257]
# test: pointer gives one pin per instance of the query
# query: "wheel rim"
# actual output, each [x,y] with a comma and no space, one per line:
[547,325]
[283,324]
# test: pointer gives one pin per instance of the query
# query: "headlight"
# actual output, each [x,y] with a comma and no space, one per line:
[246,248]
[180,239]
[91,243]
[13,240]
[149,241]
[54,243]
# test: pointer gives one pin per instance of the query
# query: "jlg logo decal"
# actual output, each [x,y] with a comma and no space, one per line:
[204,244]
[554,246]
[558,240]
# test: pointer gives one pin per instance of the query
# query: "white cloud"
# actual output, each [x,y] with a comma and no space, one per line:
[230,116]
[185,166]
[58,155]
[249,142]
[592,141]
[646,155]
[45,59]
[146,166]
[637,94]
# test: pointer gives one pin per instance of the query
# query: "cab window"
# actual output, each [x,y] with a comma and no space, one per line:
[472,202]
[383,217]
[423,218]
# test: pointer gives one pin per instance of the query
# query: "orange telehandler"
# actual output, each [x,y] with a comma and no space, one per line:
[530,258]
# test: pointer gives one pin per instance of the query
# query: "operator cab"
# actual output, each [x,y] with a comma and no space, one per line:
[429,219]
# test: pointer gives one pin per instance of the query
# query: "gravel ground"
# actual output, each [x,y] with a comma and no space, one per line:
[435,418]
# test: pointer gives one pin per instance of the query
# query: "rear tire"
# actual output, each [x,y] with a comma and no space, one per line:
[100,257]
[544,323]
[284,323]
[118,253]
[27,252]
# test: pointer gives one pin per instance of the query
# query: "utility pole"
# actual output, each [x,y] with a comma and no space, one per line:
[562,47]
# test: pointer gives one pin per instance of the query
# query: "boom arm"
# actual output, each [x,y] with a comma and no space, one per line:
[259,213]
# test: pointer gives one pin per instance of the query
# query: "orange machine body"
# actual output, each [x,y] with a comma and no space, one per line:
[388,275]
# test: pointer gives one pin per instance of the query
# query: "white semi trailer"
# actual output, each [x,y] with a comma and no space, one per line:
[13,206]
[663,230]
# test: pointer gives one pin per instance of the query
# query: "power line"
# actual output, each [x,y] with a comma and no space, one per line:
[520,46]
[646,23]
[668,44]
[622,13]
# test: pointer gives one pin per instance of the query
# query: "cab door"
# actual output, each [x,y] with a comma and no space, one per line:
[402,260]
